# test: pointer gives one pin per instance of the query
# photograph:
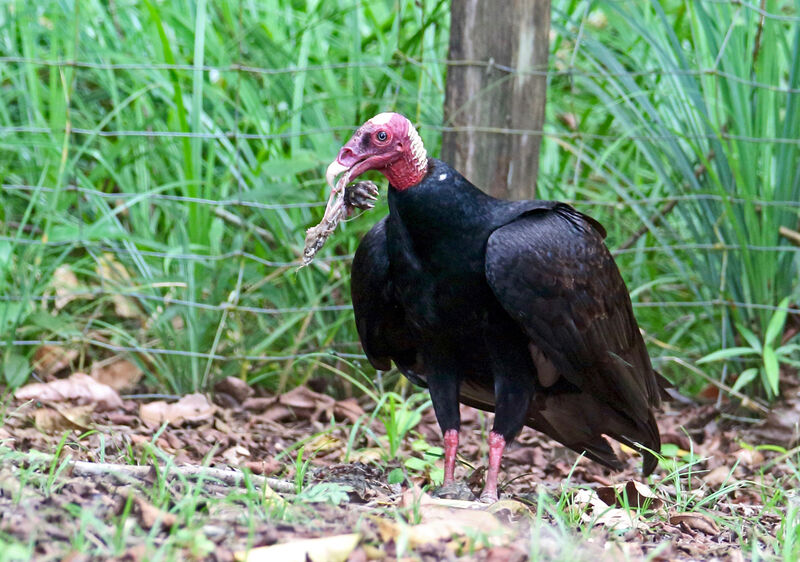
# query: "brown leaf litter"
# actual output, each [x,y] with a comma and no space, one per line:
[79,387]
[50,359]
[120,374]
[695,521]
[192,408]
[242,428]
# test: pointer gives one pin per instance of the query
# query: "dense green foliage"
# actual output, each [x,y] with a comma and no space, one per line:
[145,187]
[135,134]
[700,110]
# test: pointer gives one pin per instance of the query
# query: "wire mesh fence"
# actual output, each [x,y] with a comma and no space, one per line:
[157,208]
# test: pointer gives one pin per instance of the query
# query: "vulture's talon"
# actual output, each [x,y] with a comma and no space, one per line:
[454,491]
[488,498]
[360,195]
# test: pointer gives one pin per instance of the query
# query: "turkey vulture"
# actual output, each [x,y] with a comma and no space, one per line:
[513,307]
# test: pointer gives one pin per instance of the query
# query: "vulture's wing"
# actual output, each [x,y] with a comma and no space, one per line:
[551,271]
[379,318]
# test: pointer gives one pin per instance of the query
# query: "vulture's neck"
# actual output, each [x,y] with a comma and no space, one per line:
[412,166]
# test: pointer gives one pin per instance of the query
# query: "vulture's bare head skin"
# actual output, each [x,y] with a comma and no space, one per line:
[388,143]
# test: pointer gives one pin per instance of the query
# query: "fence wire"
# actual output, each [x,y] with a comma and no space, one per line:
[27,241]
[565,135]
[321,204]
[489,65]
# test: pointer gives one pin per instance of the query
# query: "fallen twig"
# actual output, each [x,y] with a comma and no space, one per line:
[229,477]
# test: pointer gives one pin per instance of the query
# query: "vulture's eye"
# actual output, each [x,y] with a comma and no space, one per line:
[381,136]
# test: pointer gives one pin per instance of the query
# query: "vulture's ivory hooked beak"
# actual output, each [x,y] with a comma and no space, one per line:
[334,170]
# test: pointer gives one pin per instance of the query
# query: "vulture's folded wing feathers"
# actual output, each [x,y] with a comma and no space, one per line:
[551,271]
[380,320]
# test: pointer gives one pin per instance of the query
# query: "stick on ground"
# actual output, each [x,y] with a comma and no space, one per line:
[229,477]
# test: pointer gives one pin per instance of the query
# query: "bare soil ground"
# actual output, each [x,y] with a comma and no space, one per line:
[717,495]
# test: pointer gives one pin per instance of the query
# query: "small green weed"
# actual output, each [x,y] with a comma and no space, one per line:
[771,353]
[428,463]
[324,492]
[399,416]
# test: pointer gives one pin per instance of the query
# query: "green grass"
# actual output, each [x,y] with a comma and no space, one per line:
[144,208]
[236,258]
[711,119]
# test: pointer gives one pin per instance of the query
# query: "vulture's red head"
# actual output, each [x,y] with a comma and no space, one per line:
[388,143]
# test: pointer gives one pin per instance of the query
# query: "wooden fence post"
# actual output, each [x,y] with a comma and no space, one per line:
[513,36]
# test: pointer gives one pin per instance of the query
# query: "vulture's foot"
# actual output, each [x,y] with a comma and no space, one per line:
[496,445]
[454,491]
[360,195]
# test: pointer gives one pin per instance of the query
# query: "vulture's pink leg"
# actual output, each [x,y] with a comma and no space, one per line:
[496,445]
[450,448]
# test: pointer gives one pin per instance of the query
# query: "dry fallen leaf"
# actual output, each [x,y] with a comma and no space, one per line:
[136,553]
[513,553]
[79,387]
[749,457]
[696,521]
[638,495]
[303,398]
[428,533]
[598,512]
[414,498]
[220,425]
[681,440]
[150,515]
[508,509]
[234,387]
[570,120]
[190,408]
[615,517]
[50,359]
[324,445]
[367,455]
[300,403]
[110,271]
[66,285]
[585,498]
[119,374]
[718,476]
[327,549]
[348,408]
[55,420]
[258,404]
[444,526]
[236,455]
[525,456]
[441,519]
[781,427]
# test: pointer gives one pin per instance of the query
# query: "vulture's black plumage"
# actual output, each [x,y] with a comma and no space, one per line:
[514,307]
